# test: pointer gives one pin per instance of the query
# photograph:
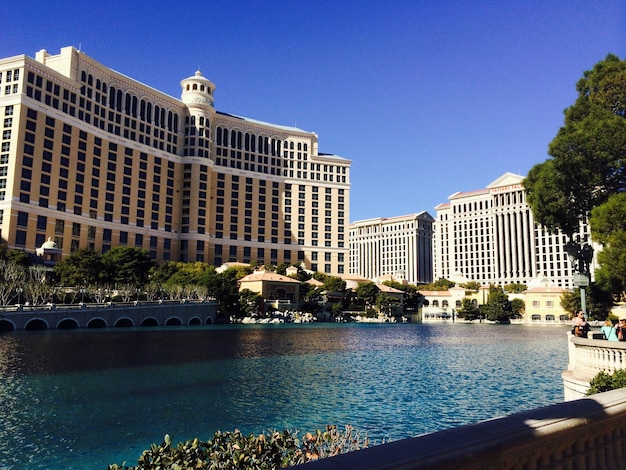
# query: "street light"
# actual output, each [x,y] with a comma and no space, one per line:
[580,255]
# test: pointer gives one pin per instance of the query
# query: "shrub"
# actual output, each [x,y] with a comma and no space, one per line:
[604,382]
[233,450]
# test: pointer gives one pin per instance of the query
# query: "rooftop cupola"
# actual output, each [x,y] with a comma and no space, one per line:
[197,90]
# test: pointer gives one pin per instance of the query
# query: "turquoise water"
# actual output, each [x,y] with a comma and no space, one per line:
[84,399]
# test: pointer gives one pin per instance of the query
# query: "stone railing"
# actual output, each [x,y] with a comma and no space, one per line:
[589,433]
[587,357]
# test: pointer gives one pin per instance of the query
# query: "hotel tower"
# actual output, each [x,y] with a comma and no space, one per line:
[91,158]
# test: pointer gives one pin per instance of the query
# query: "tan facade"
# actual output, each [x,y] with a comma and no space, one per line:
[92,158]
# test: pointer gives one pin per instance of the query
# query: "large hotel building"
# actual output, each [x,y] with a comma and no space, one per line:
[400,247]
[490,236]
[93,159]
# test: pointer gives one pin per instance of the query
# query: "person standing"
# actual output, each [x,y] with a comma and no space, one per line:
[580,325]
[610,332]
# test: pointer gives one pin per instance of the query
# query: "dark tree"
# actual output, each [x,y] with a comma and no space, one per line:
[588,153]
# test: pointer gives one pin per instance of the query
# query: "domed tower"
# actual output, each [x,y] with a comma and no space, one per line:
[197,95]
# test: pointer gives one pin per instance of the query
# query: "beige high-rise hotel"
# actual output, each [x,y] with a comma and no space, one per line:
[91,158]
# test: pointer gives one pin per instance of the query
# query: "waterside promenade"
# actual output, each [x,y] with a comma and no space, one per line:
[104,315]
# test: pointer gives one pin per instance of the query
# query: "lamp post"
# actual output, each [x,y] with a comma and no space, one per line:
[580,254]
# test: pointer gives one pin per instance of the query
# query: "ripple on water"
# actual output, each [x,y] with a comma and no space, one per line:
[83,399]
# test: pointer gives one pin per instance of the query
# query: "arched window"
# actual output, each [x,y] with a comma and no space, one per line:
[83,76]
[247,141]
[201,121]
[149,112]
[157,114]
[536,317]
[435,303]
[170,119]
[192,120]
[458,303]
[444,303]
[142,110]
[133,108]
[127,104]
[118,100]
[175,122]
[253,143]
[549,317]
[218,136]
[195,86]
[225,144]
[239,138]
[90,80]
[104,88]
[233,139]
[98,85]
[163,118]
[112,95]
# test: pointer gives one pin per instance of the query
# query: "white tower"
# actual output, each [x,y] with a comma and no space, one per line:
[197,95]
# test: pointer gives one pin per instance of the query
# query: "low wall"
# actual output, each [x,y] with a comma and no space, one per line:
[587,357]
[588,433]
[108,315]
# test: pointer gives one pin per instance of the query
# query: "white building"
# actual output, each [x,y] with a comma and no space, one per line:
[399,246]
[490,236]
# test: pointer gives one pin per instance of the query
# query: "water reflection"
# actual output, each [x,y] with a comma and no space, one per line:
[83,399]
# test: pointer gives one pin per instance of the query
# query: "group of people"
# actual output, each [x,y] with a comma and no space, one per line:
[611,332]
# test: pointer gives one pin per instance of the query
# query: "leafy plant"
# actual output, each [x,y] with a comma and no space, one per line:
[236,451]
[603,382]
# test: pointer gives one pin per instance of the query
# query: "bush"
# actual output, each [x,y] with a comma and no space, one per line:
[604,382]
[233,450]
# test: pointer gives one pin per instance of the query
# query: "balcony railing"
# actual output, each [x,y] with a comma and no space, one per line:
[587,357]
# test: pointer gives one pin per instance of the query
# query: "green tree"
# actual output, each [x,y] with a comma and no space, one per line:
[598,302]
[368,293]
[471,285]
[498,308]
[334,284]
[517,308]
[608,227]
[126,266]
[469,310]
[588,152]
[83,267]
[387,303]
[515,288]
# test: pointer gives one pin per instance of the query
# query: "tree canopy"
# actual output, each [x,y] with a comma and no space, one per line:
[588,154]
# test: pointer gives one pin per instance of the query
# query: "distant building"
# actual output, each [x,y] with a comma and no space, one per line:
[91,158]
[397,246]
[490,236]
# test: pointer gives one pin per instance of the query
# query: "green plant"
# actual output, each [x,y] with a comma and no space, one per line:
[604,382]
[236,451]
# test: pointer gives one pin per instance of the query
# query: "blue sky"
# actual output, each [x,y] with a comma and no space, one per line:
[425,98]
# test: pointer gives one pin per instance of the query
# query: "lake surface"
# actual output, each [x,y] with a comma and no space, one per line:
[83,399]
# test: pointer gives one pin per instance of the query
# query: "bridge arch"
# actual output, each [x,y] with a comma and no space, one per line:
[195,321]
[124,322]
[149,321]
[6,325]
[209,321]
[173,321]
[36,324]
[67,324]
[97,322]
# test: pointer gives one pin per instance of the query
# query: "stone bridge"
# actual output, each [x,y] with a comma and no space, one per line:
[168,313]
